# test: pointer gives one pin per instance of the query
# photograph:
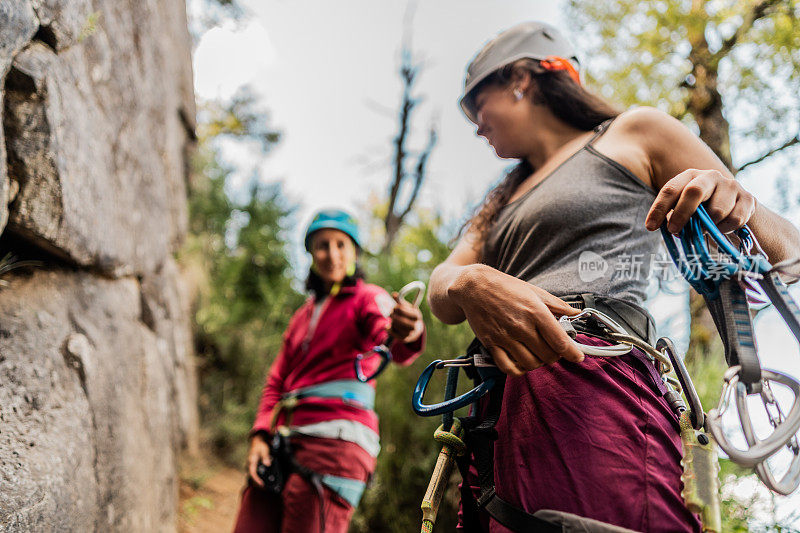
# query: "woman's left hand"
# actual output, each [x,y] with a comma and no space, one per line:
[407,325]
[728,204]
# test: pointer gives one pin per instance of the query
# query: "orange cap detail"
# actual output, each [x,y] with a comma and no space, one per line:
[559,63]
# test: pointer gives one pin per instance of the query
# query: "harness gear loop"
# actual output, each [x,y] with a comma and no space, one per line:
[480,433]
[350,392]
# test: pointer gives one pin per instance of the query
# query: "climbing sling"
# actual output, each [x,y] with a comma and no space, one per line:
[726,282]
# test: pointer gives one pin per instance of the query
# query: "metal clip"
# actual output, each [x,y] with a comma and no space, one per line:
[758,450]
[383,350]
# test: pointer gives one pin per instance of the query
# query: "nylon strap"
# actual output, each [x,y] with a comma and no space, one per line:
[350,391]
[731,315]
[778,294]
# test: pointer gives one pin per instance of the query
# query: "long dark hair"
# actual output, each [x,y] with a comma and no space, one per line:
[567,100]
[316,286]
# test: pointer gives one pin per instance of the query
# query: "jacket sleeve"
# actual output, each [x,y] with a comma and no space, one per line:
[273,389]
[376,307]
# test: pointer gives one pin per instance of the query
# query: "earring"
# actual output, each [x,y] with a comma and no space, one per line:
[518,94]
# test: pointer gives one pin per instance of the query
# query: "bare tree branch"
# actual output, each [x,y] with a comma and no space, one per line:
[407,73]
[419,173]
[757,11]
[791,142]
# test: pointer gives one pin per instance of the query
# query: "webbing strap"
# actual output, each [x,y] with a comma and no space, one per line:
[349,489]
[350,391]
[516,519]
[779,296]
[731,314]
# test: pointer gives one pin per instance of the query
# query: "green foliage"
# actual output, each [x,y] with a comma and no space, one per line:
[408,450]
[236,256]
[638,53]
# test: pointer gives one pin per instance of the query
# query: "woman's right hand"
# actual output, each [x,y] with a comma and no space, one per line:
[259,453]
[513,319]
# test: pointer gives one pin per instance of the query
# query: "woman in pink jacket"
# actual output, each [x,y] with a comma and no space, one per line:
[312,389]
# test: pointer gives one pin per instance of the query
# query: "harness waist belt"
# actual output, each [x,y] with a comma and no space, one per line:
[350,391]
[633,318]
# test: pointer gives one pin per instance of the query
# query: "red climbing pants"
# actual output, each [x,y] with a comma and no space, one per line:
[297,508]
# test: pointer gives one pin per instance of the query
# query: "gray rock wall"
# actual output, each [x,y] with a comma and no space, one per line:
[97,387]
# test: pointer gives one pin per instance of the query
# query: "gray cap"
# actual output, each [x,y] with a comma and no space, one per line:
[534,40]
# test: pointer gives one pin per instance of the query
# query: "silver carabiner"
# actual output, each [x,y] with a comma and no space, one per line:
[791,478]
[607,321]
[758,450]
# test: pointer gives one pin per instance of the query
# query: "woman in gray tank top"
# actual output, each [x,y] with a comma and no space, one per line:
[585,435]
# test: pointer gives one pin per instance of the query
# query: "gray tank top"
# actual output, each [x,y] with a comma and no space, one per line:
[580,229]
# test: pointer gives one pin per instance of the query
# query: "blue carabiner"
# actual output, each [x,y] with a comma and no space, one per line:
[382,351]
[488,374]
[710,272]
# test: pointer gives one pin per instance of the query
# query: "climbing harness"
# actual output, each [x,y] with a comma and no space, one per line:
[351,392]
[476,434]
[384,350]
[479,361]
[726,283]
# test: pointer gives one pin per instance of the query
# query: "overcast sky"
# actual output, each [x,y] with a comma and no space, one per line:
[327,73]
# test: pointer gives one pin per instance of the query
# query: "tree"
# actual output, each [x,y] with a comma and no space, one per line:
[698,60]
[728,69]
[395,216]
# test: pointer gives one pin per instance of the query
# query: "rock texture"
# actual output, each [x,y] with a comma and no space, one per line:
[95,130]
[97,386]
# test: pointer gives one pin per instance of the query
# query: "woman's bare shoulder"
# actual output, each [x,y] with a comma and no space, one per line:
[642,118]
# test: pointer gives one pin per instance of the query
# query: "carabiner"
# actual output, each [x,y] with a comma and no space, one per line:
[758,450]
[488,373]
[791,478]
[696,414]
[383,350]
[606,321]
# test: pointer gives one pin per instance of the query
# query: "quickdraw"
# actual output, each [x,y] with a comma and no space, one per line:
[384,350]
[726,284]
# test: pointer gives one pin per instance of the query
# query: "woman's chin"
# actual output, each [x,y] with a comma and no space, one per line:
[333,278]
[503,154]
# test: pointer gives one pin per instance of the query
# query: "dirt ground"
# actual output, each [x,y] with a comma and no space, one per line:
[209,497]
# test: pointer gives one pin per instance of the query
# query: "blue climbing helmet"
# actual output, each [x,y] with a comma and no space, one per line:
[333,219]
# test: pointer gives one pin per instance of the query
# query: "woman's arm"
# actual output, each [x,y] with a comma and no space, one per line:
[452,275]
[271,395]
[259,449]
[513,319]
[675,154]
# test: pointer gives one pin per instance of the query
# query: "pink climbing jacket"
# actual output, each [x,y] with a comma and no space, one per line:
[352,322]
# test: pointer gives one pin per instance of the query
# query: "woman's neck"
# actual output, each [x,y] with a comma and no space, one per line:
[549,136]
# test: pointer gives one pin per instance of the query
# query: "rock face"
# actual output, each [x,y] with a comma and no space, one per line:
[97,387]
